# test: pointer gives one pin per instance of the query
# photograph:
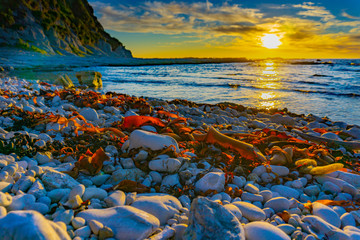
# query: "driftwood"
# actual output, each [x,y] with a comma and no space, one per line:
[352,145]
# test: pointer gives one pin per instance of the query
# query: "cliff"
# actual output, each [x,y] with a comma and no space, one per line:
[56,27]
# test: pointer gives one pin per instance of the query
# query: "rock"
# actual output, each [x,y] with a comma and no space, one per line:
[125,221]
[326,213]
[65,216]
[267,195]
[285,191]
[43,158]
[144,139]
[116,198]
[53,179]
[210,220]
[282,119]
[5,199]
[90,78]
[37,189]
[251,188]
[211,181]
[263,231]
[331,135]
[324,228]
[234,210]
[239,181]
[250,211]
[58,194]
[179,231]
[347,219]
[78,222]
[89,114]
[5,186]
[95,226]
[19,202]
[162,206]
[77,190]
[133,174]
[278,204]
[28,225]
[169,165]
[83,232]
[312,190]
[331,187]
[105,233]
[286,228]
[251,197]
[64,80]
[280,170]
[93,192]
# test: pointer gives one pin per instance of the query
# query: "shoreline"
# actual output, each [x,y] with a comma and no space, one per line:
[79,157]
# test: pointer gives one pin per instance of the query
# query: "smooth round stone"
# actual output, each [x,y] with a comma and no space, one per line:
[269,212]
[83,232]
[116,198]
[280,170]
[239,181]
[278,204]
[100,179]
[250,211]
[339,210]
[144,139]
[347,219]
[94,193]
[267,195]
[246,196]
[5,199]
[39,207]
[312,190]
[105,233]
[286,228]
[264,231]
[234,210]
[251,188]
[57,194]
[165,165]
[286,191]
[78,222]
[53,179]
[297,184]
[89,114]
[64,216]
[326,213]
[211,181]
[3,211]
[95,226]
[331,135]
[19,202]
[331,187]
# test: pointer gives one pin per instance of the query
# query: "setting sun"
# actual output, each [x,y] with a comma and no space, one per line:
[270,41]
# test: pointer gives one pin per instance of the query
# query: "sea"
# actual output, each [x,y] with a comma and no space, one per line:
[328,87]
[325,88]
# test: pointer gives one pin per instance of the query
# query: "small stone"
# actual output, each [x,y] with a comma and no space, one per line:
[169,165]
[5,199]
[95,226]
[89,114]
[53,179]
[278,204]
[105,232]
[78,222]
[264,231]
[43,158]
[312,190]
[116,198]
[326,213]
[347,220]
[286,191]
[286,228]
[64,216]
[94,193]
[250,211]
[83,232]
[251,188]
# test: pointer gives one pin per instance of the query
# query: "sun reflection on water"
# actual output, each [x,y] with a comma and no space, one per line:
[269,80]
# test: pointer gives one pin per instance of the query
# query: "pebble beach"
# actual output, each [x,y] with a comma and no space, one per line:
[78,164]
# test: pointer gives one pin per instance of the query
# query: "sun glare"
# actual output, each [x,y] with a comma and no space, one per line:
[270,41]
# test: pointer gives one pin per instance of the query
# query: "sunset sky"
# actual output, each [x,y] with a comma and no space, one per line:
[234,28]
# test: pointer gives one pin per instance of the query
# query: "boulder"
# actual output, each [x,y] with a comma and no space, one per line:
[90,78]
[64,80]
[126,222]
[29,225]
[210,220]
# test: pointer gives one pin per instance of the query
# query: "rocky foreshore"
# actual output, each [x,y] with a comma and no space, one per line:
[79,164]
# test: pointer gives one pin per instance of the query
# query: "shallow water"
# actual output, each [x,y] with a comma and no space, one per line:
[331,90]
